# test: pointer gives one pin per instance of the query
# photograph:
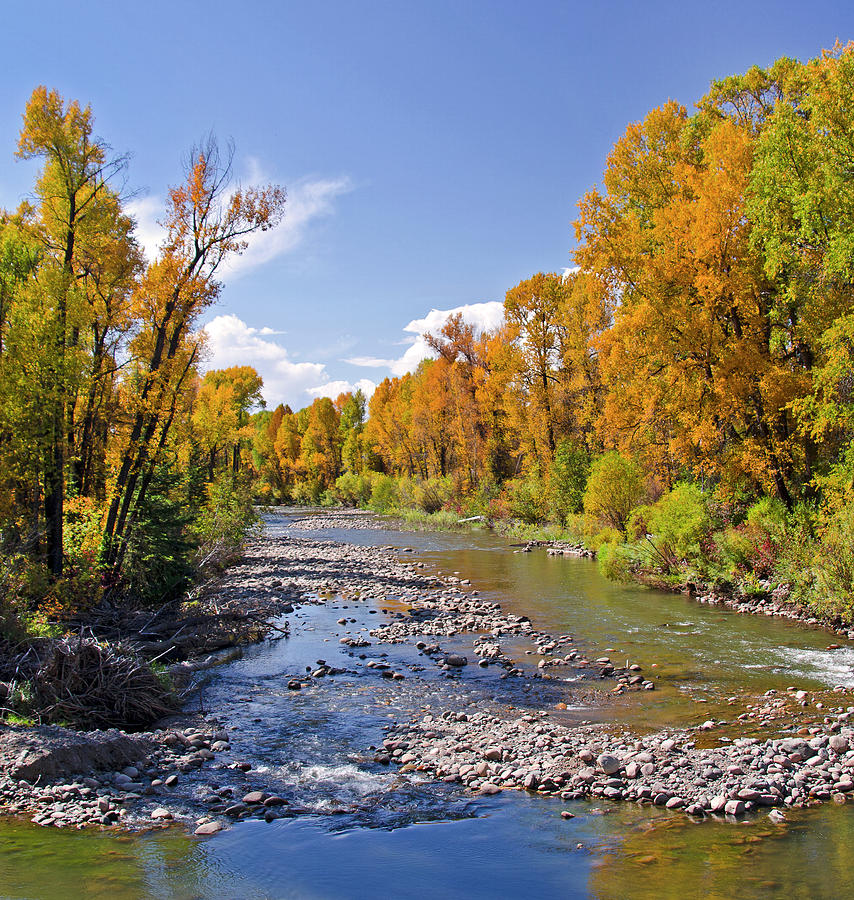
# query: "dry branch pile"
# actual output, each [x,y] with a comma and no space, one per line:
[91,684]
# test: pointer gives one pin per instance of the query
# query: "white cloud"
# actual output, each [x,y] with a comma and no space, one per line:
[370,362]
[570,270]
[232,342]
[485,316]
[333,388]
[146,211]
[308,200]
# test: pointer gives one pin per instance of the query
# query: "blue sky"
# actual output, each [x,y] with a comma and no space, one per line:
[433,151]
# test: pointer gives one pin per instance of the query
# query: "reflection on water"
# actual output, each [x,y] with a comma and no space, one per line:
[373,832]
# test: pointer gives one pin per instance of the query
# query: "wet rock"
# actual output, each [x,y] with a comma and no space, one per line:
[456,661]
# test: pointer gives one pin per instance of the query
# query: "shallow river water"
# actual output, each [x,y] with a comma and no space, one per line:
[369,832]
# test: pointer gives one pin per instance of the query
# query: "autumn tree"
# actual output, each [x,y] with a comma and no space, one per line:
[697,374]
[76,216]
[352,407]
[264,457]
[221,416]
[205,223]
[320,449]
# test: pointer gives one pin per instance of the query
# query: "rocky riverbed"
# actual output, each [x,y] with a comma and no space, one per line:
[186,772]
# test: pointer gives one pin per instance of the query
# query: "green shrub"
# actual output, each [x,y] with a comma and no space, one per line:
[568,479]
[443,520]
[223,521]
[678,522]
[528,499]
[384,494]
[734,549]
[818,561]
[480,502]
[615,487]
[768,516]
[352,489]
[605,536]
[433,494]
[307,492]
[615,561]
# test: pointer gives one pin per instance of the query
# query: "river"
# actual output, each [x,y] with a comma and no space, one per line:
[370,832]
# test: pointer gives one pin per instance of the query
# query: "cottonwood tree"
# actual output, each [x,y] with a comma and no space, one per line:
[75,207]
[206,222]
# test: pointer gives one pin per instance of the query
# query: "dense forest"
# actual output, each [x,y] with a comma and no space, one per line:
[679,400]
[102,480]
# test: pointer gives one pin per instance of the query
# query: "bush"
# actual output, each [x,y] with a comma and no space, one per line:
[678,522]
[384,494]
[158,558]
[528,499]
[482,501]
[443,520]
[615,487]
[601,538]
[568,480]
[224,520]
[615,561]
[433,494]
[818,561]
[352,489]
[307,493]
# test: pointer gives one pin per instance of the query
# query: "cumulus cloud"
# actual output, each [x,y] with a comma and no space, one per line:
[308,201]
[232,342]
[333,388]
[485,316]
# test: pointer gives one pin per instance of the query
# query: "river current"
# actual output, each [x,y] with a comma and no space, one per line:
[369,832]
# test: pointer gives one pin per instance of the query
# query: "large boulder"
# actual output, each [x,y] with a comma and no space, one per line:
[49,751]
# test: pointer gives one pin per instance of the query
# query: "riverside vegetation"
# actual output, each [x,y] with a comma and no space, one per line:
[679,402]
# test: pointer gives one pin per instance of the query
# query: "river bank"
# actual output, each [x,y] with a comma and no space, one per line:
[765,598]
[520,740]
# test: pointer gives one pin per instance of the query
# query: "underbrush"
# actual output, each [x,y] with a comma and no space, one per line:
[84,683]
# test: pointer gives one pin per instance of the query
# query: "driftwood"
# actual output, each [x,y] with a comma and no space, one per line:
[87,683]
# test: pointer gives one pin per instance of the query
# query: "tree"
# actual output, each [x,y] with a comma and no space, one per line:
[225,400]
[698,370]
[321,443]
[204,225]
[353,408]
[615,487]
[74,201]
[533,310]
